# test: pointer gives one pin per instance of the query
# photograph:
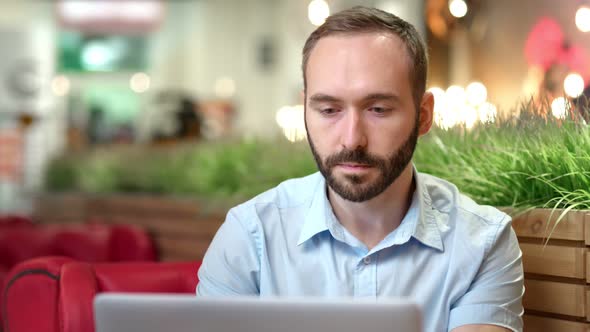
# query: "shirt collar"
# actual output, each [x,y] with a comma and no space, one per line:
[316,218]
[420,219]
[426,229]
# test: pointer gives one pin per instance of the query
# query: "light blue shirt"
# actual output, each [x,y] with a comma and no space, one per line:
[458,260]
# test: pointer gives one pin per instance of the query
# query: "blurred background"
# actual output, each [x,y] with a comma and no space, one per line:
[128,128]
[81,78]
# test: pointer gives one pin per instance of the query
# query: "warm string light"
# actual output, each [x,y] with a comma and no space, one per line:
[458,8]
[292,122]
[139,82]
[225,87]
[573,85]
[462,107]
[560,107]
[318,11]
[477,93]
[60,85]
[583,18]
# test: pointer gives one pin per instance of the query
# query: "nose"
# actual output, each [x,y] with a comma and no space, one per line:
[354,134]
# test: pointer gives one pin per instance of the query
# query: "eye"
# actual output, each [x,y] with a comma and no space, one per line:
[328,111]
[379,110]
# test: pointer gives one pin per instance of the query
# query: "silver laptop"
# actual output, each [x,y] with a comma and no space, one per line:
[124,312]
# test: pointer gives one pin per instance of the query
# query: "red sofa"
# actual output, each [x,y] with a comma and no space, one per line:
[20,241]
[9,220]
[58,291]
[85,242]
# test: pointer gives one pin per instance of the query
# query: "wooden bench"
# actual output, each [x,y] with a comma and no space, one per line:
[557,273]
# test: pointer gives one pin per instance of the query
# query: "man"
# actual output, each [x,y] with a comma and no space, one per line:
[370,225]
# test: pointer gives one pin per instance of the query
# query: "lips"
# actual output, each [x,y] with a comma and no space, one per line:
[353,166]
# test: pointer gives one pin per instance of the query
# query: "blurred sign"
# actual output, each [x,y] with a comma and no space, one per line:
[94,52]
[11,154]
[121,16]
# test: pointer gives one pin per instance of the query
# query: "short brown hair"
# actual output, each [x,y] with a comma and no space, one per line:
[365,20]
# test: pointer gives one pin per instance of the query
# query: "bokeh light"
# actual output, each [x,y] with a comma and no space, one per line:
[458,8]
[583,19]
[468,116]
[476,93]
[139,82]
[573,85]
[462,107]
[318,11]
[455,96]
[560,107]
[225,87]
[292,122]
[96,55]
[487,112]
[439,105]
[60,85]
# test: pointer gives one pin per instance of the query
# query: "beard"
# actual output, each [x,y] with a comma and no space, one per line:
[356,188]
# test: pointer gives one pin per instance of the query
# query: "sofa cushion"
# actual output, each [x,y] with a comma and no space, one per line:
[90,243]
[80,282]
[29,295]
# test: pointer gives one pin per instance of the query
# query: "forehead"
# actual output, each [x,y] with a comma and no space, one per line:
[362,51]
[364,60]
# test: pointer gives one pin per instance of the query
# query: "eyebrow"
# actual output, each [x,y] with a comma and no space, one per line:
[320,97]
[381,96]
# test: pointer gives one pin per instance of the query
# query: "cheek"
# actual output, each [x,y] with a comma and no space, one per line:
[321,139]
[313,119]
[387,137]
[318,128]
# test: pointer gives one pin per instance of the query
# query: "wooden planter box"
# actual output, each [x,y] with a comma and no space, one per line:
[60,208]
[557,275]
[181,228]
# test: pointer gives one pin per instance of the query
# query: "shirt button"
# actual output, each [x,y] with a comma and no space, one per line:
[367,260]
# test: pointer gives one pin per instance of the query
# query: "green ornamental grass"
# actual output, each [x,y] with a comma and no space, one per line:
[533,160]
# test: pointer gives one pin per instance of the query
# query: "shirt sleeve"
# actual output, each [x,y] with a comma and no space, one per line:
[495,295]
[231,265]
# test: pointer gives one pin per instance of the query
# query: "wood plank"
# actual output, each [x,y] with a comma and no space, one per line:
[140,205]
[555,297]
[171,257]
[587,228]
[536,224]
[195,227]
[188,248]
[554,260]
[534,323]
[60,208]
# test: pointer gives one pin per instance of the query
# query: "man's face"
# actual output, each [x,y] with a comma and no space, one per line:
[361,119]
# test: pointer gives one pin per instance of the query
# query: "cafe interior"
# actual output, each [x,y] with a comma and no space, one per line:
[129,128]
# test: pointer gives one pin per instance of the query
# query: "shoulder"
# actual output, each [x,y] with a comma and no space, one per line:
[290,194]
[462,216]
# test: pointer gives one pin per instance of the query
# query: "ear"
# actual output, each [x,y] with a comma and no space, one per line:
[426,113]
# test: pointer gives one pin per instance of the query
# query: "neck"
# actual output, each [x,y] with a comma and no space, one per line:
[371,221]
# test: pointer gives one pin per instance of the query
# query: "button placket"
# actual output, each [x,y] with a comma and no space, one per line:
[365,277]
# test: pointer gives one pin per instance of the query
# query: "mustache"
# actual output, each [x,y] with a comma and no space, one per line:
[353,156]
